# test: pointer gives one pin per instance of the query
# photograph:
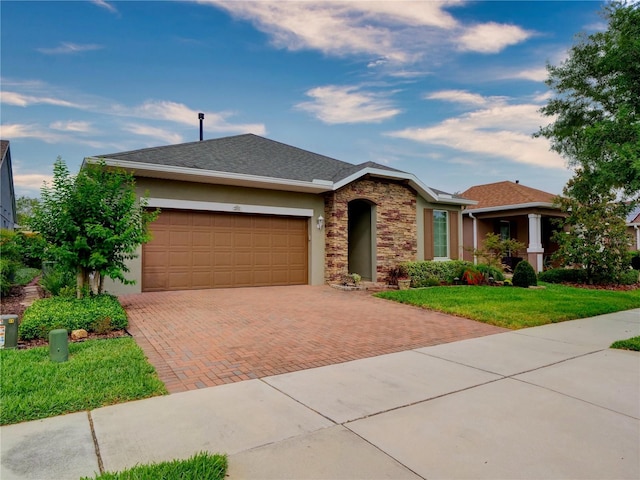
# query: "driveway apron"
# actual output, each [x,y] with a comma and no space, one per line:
[202,338]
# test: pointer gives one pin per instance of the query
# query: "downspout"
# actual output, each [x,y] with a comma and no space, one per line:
[637,228]
[475,237]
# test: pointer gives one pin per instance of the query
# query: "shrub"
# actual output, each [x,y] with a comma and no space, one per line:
[423,272]
[563,275]
[7,272]
[57,281]
[472,276]
[32,248]
[524,275]
[97,313]
[24,248]
[489,271]
[396,273]
[629,277]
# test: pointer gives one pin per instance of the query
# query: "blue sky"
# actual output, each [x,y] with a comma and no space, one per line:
[449,91]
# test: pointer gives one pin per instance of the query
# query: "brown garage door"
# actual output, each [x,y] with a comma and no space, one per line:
[195,250]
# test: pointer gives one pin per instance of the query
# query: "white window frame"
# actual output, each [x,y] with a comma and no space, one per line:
[447,242]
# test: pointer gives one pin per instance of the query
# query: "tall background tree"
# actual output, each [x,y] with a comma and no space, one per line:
[93,222]
[596,127]
[597,103]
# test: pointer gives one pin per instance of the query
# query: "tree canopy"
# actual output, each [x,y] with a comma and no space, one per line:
[93,222]
[596,107]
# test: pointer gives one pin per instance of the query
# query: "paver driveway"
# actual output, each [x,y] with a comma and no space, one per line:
[202,338]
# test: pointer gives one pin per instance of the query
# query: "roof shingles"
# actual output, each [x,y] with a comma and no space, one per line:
[505,193]
[247,154]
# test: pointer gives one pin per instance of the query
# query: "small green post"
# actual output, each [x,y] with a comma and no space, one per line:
[58,345]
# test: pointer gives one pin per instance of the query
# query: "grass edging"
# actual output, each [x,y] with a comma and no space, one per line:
[632,343]
[98,373]
[201,466]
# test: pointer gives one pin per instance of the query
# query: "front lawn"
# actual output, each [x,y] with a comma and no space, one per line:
[513,307]
[98,373]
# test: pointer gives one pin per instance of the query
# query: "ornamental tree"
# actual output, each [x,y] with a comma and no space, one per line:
[93,222]
[594,236]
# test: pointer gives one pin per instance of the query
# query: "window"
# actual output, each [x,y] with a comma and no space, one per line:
[440,234]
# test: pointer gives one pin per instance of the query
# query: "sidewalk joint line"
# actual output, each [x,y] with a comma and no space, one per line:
[95,442]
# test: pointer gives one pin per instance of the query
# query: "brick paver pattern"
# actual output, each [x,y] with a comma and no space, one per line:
[202,338]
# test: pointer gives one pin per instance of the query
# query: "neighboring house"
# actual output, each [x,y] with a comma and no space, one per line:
[249,211]
[511,210]
[633,227]
[7,194]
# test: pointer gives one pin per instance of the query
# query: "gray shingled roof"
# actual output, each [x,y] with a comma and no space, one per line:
[247,154]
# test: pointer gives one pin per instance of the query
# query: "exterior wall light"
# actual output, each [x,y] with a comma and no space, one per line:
[320,222]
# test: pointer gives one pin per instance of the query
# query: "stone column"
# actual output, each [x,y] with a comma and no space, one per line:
[535,251]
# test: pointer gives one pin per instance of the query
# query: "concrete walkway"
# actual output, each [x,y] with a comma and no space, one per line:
[545,402]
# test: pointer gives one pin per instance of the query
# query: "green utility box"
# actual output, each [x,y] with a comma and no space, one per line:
[58,345]
[9,331]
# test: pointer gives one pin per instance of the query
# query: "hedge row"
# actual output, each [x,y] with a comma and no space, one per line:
[100,314]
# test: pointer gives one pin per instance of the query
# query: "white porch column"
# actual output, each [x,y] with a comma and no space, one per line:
[535,251]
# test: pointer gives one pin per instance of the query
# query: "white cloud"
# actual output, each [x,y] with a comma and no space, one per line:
[165,136]
[31,181]
[334,104]
[458,96]
[395,31]
[21,130]
[71,126]
[539,74]
[502,131]
[105,5]
[387,35]
[180,113]
[66,48]
[20,100]
[491,37]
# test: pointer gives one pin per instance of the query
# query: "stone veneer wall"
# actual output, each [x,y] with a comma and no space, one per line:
[395,225]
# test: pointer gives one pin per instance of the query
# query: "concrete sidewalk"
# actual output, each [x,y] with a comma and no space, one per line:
[545,402]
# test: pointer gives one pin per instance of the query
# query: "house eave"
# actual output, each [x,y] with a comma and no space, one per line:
[517,206]
[412,180]
[171,172]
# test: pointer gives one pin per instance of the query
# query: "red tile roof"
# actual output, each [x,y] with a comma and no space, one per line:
[505,193]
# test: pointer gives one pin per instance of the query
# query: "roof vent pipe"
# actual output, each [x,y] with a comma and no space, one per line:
[201,118]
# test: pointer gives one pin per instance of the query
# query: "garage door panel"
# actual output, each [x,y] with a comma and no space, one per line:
[179,239]
[219,250]
[243,259]
[159,259]
[179,280]
[155,280]
[201,238]
[201,258]
[222,239]
[242,239]
[201,279]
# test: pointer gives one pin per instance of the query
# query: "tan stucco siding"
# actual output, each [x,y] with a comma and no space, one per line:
[176,190]
[423,204]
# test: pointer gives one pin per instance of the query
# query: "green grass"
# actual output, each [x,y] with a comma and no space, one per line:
[513,307]
[202,466]
[98,373]
[629,344]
